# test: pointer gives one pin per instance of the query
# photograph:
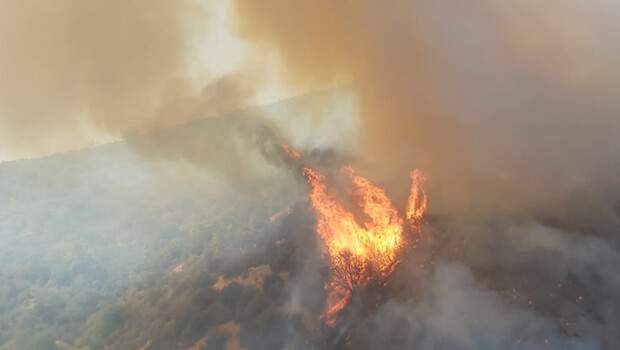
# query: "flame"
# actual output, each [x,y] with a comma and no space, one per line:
[418,201]
[359,253]
[291,152]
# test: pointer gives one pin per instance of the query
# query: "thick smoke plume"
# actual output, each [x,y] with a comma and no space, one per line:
[76,70]
[510,108]
[480,95]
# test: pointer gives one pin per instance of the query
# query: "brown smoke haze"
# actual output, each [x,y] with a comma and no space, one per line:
[510,108]
[505,105]
[115,66]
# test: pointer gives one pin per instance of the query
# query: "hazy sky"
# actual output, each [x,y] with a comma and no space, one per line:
[474,93]
[207,50]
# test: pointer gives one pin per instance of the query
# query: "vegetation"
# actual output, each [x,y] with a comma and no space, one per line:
[101,248]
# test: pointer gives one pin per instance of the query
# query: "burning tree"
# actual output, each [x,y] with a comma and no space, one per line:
[361,254]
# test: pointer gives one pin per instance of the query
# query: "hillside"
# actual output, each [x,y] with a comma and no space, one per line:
[84,231]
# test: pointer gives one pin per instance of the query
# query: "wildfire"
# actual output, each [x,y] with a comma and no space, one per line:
[291,152]
[418,201]
[359,253]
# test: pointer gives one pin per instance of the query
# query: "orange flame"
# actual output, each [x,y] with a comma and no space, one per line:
[418,201]
[293,153]
[357,254]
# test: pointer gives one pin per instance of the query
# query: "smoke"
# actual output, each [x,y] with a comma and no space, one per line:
[77,71]
[74,71]
[514,97]
[242,147]
[510,108]
[512,286]
[482,95]
[457,313]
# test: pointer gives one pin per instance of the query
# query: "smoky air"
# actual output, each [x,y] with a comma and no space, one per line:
[243,175]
